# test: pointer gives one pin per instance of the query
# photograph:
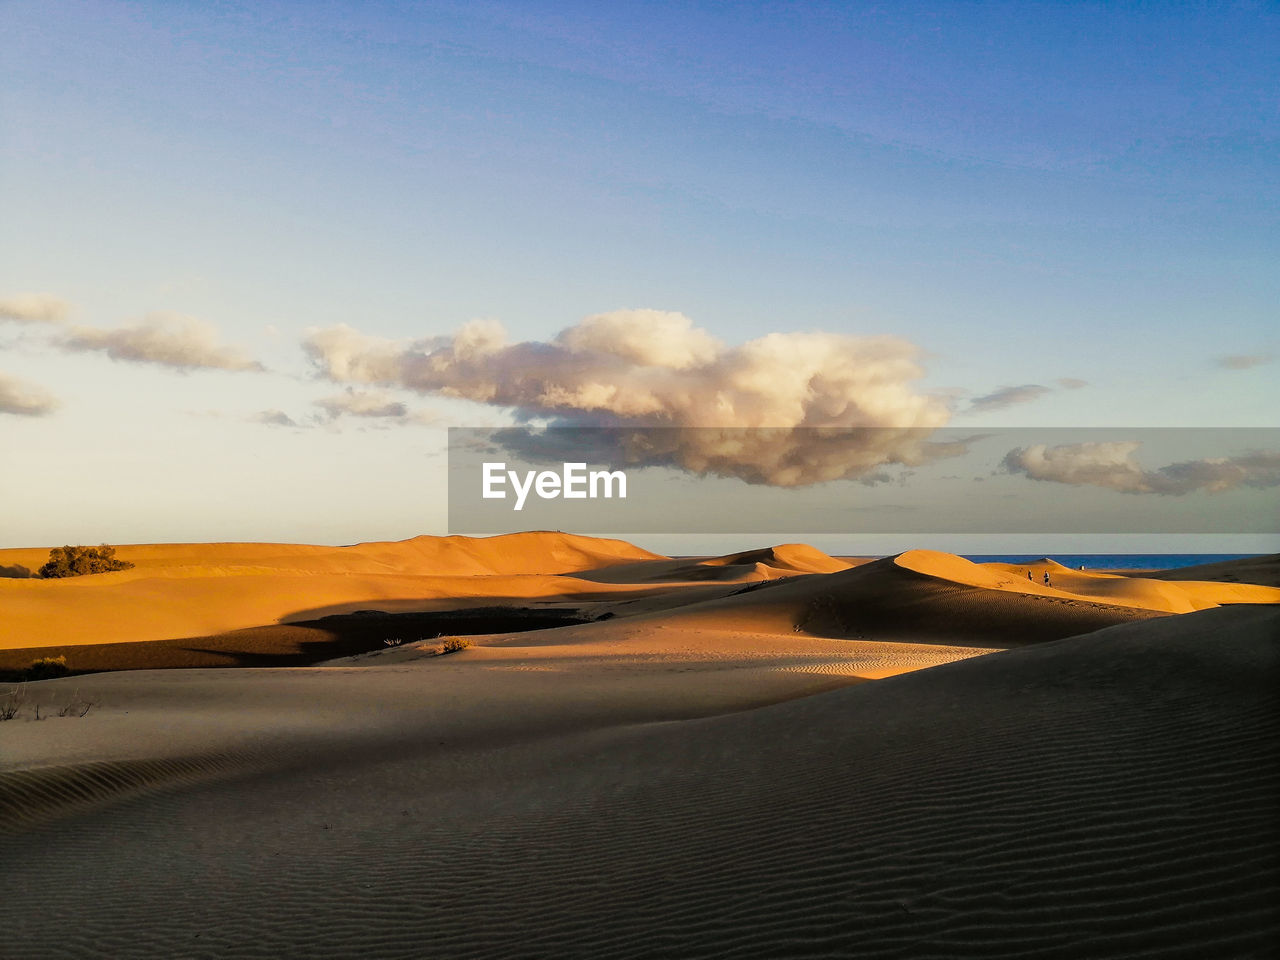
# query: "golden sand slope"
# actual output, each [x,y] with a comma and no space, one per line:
[186,590]
[918,596]
[1112,795]
[195,590]
[533,552]
[1172,591]
[770,563]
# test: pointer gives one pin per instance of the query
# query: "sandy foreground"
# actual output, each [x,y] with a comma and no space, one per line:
[774,754]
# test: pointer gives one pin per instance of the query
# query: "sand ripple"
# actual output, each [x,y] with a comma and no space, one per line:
[1105,796]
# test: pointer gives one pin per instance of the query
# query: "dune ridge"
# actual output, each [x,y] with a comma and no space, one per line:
[202,590]
[1264,570]
[918,596]
[769,563]
[528,552]
[190,590]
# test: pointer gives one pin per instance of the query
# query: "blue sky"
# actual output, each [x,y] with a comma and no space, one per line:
[1025,192]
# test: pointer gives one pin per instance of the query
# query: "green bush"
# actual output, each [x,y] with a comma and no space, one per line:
[72,561]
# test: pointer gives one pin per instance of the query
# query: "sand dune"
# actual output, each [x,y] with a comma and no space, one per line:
[199,591]
[190,590]
[1109,795]
[1250,570]
[770,563]
[715,765]
[533,552]
[918,596]
[1157,590]
[796,557]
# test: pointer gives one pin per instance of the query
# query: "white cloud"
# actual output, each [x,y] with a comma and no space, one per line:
[25,399]
[165,339]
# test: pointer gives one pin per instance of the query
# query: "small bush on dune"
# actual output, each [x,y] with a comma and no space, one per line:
[72,561]
[454,644]
[46,668]
[11,703]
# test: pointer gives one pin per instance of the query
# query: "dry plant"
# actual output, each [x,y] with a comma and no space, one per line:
[78,706]
[453,645]
[12,702]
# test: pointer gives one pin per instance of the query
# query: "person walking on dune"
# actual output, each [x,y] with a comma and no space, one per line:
[1046,578]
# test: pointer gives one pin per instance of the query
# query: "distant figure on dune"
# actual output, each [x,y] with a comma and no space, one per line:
[1029,577]
[1046,578]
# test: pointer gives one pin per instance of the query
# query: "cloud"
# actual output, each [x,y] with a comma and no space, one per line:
[1243,361]
[373,405]
[25,399]
[1071,383]
[1112,465]
[363,403]
[274,418]
[165,339]
[786,409]
[1008,397]
[34,308]
[647,338]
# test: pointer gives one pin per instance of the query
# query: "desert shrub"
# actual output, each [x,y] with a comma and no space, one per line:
[11,702]
[72,561]
[77,706]
[46,668]
[454,644]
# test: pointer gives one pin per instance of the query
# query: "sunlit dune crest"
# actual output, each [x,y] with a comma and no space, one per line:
[179,590]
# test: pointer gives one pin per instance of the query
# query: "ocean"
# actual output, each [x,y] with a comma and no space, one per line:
[1114,561]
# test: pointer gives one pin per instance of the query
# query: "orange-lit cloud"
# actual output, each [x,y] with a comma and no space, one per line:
[24,399]
[34,308]
[166,339]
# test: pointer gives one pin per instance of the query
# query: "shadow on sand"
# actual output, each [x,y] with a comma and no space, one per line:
[297,644]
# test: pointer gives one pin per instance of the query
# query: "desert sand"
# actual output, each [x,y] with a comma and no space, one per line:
[771,754]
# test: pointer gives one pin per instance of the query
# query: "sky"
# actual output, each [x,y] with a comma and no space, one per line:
[256,258]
